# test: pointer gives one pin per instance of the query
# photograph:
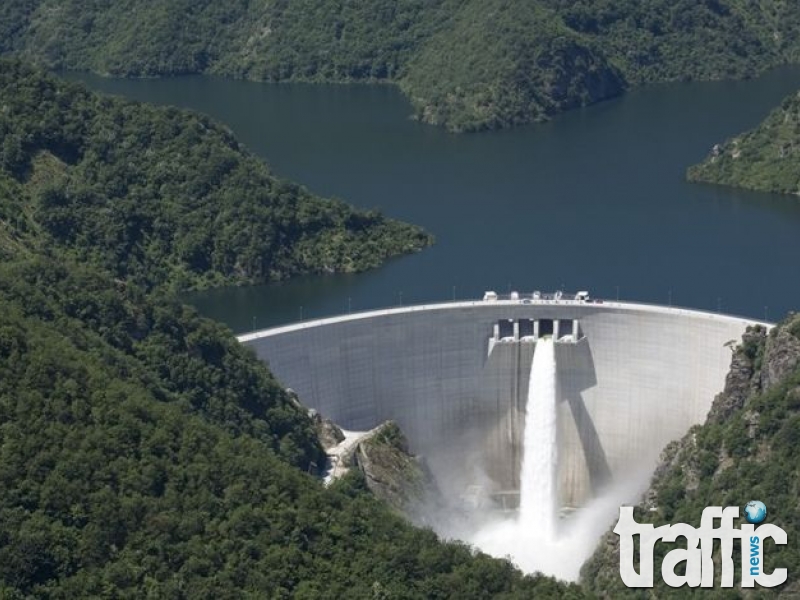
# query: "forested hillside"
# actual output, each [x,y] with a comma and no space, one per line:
[143,451]
[748,449]
[466,65]
[765,159]
[165,196]
[500,63]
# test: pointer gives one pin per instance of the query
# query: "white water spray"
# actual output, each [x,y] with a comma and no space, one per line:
[538,501]
[534,539]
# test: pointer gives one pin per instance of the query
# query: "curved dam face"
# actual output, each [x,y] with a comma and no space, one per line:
[455,376]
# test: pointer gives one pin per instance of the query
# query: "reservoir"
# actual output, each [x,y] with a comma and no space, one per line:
[595,199]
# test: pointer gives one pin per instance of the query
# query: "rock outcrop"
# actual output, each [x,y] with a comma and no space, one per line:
[391,472]
[783,352]
[740,382]
[330,435]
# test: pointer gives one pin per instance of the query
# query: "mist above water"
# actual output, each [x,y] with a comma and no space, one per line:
[563,555]
[535,539]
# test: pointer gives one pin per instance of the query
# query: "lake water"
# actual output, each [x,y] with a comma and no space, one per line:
[595,199]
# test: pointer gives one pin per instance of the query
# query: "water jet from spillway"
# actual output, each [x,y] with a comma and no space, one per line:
[535,539]
[538,504]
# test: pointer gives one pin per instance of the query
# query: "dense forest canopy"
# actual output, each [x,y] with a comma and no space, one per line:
[143,451]
[466,65]
[166,196]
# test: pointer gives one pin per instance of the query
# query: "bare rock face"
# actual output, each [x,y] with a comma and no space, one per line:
[758,364]
[782,353]
[742,379]
[382,454]
[392,473]
[329,434]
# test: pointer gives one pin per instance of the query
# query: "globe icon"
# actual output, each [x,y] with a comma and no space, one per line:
[755,512]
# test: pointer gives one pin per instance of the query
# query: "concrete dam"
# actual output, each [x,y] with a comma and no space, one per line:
[455,377]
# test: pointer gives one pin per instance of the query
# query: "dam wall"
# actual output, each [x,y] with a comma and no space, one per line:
[630,378]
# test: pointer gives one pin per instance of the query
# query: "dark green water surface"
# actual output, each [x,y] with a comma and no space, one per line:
[595,199]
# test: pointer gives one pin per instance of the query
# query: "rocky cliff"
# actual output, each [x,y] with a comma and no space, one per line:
[749,448]
[391,472]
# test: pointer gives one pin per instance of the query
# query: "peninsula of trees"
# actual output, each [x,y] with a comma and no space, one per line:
[765,159]
[165,196]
